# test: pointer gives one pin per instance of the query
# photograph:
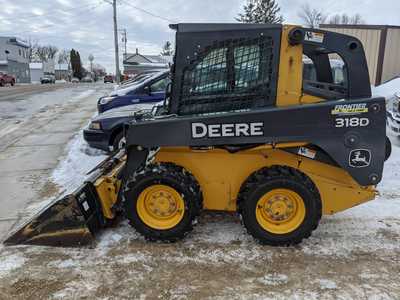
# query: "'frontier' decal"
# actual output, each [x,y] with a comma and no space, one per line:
[350,109]
[201,130]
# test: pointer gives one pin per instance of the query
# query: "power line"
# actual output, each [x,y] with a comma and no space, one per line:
[148,12]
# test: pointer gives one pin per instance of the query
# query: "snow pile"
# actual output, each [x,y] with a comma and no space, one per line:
[327,284]
[81,158]
[274,279]
[387,89]
[11,262]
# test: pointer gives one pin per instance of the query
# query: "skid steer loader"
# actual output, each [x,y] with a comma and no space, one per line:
[242,130]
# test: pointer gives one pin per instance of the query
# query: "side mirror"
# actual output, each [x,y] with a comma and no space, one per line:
[147,90]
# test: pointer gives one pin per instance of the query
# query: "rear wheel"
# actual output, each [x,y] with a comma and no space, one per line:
[12,83]
[162,202]
[280,206]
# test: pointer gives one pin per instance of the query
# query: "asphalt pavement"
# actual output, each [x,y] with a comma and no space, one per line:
[33,133]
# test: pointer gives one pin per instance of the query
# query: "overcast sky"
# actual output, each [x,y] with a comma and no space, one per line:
[86,25]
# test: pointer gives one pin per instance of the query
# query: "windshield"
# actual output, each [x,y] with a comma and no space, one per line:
[138,79]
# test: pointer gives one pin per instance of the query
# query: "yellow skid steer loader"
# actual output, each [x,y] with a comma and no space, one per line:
[256,121]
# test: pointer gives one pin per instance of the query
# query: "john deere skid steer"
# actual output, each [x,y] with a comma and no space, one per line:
[243,129]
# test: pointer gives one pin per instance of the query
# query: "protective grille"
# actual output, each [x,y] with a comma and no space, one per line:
[230,75]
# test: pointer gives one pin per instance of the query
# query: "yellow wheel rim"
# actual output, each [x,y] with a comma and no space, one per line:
[160,207]
[280,211]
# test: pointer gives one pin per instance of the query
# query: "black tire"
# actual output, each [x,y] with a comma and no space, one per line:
[117,143]
[173,176]
[12,83]
[1,83]
[388,148]
[278,177]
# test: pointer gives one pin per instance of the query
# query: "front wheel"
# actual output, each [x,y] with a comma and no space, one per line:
[162,202]
[280,206]
[119,142]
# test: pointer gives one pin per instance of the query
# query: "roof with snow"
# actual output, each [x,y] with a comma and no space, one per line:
[36,66]
[137,58]
[15,41]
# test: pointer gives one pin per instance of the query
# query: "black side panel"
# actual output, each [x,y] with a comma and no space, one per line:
[353,133]
[319,43]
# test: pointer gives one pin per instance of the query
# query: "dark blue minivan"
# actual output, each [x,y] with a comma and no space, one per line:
[147,88]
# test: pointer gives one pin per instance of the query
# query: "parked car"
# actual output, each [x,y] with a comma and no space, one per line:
[393,114]
[48,78]
[6,79]
[149,89]
[108,79]
[105,131]
[138,76]
[391,91]
[87,79]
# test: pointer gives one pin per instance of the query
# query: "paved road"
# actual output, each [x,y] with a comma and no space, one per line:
[33,133]
[10,92]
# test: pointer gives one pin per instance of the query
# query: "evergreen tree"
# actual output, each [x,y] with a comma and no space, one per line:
[261,11]
[76,64]
[167,49]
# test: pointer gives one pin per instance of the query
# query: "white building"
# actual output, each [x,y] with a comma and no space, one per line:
[38,69]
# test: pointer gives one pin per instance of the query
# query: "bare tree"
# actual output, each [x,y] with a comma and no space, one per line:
[346,19]
[357,19]
[32,51]
[46,53]
[312,17]
[63,57]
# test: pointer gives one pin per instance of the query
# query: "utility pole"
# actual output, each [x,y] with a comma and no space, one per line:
[117,73]
[125,40]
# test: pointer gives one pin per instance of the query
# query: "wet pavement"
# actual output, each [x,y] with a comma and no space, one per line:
[33,133]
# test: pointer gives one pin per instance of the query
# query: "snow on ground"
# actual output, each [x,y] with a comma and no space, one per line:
[80,159]
[354,254]
[387,89]
[10,262]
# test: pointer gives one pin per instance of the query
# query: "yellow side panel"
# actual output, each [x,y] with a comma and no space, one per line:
[107,187]
[221,174]
[290,76]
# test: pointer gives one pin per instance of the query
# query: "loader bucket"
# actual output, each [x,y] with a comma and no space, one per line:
[68,222]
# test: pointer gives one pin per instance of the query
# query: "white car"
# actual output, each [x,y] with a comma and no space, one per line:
[393,114]
[391,91]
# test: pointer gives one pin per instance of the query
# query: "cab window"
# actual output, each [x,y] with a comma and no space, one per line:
[325,76]
[159,86]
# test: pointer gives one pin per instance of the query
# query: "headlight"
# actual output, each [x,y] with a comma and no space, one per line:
[95,125]
[105,100]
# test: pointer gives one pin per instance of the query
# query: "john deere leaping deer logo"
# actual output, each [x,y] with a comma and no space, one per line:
[360,158]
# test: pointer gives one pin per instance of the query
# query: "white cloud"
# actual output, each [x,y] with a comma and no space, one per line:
[86,25]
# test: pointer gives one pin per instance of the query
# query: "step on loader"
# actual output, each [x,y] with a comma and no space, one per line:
[256,121]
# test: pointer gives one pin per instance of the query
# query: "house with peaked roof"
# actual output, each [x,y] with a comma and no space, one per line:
[137,63]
